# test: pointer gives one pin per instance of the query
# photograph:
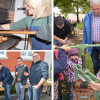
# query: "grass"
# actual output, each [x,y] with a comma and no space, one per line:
[88,62]
[80,26]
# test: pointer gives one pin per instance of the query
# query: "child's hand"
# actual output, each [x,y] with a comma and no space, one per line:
[54,46]
[66,48]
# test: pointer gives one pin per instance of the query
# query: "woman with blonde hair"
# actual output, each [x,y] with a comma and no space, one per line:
[41,11]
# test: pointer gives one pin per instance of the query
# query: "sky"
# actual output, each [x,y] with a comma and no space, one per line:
[56,10]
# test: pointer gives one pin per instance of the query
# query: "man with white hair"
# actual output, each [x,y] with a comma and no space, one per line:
[91,32]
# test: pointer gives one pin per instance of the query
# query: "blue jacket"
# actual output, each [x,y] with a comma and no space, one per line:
[61,64]
[87,31]
[38,70]
[23,78]
[7,77]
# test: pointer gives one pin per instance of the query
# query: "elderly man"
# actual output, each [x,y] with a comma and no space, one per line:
[21,79]
[6,79]
[62,30]
[91,32]
[38,75]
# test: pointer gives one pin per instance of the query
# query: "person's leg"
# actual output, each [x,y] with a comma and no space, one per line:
[56,90]
[17,86]
[30,92]
[36,93]
[70,88]
[95,59]
[5,91]
[56,42]
[22,88]
[8,91]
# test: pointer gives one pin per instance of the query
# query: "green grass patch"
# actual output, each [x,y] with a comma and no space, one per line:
[88,62]
[80,26]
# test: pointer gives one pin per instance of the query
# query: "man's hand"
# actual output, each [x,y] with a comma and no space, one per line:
[64,43]
[26,74]
[66,38]
[1,83]
[16,73]
[61,41]
[36,86]
[19,79]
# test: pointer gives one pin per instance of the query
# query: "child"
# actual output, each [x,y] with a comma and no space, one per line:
[72,59]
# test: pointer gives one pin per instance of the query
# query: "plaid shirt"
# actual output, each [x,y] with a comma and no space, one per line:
[69,71]
[96,29]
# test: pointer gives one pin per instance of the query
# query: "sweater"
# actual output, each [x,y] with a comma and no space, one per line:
[26,22]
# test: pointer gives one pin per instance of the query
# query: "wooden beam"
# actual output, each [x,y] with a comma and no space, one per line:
[18,32]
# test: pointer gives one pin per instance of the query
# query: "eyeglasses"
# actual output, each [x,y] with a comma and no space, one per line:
[35,56]
[19,60]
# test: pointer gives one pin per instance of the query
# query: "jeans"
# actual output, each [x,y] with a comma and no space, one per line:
[36,93]
[7,88]
[57,42]
[30,92]
[70,88]
[19,88]
[95,59]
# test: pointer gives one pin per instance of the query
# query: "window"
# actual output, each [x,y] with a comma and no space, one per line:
[27,55]
[3,55]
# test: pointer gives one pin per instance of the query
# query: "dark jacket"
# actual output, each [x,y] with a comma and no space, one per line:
[38,70]
[23,78]
[7,77]
[64,32]
[61,64]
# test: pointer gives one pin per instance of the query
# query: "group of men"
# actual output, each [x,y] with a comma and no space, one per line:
[37,76]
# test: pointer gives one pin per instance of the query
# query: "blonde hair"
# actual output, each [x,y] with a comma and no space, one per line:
[42,8]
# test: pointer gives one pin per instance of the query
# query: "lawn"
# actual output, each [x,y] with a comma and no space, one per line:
[80,26]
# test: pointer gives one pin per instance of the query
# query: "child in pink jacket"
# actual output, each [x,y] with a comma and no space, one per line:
[72,59]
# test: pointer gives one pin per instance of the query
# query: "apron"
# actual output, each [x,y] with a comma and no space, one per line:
[39,44]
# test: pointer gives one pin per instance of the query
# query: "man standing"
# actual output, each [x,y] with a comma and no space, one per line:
[91,32]
[38,75]
[21,79]
[62,30]
[7,79]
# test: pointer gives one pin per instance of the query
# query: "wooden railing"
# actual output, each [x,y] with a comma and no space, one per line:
[18,32]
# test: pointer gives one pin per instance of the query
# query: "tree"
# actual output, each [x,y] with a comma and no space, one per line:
[70,6]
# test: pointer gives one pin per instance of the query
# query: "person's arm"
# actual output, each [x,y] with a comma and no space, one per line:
[68,28]
[95,86]
[44,70]
[8,74]
[84,41]
[40,83]
[5,27]
[58,39]
[23,23]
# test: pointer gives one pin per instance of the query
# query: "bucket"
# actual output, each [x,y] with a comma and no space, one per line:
[82,94]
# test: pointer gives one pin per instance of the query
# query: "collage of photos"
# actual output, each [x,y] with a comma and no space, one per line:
[49,49]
